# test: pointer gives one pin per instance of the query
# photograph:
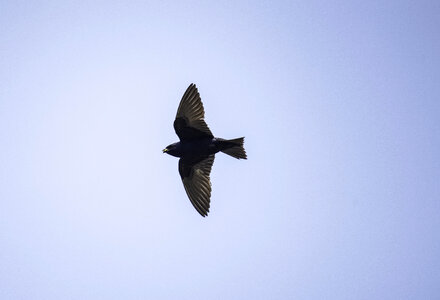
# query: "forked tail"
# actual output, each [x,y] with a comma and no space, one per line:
[233,147]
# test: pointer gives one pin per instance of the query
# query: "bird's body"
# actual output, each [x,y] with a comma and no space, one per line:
[197,148]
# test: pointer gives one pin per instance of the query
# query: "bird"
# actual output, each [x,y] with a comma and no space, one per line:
[197,148]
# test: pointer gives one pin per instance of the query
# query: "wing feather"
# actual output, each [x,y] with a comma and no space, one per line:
[189,123]
[197,183]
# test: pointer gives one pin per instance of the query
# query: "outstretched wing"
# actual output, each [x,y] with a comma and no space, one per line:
[189,123]
[195,178]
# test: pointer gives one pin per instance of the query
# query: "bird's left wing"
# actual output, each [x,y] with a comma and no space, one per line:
[195,178]
[189,123]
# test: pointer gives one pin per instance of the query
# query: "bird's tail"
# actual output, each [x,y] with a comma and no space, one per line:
[233,147]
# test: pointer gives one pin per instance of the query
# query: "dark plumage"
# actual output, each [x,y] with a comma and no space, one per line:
[197,148]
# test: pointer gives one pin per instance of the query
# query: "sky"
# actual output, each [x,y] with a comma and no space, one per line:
[339,102]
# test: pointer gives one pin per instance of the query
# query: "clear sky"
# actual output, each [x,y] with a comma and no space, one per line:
[339,102]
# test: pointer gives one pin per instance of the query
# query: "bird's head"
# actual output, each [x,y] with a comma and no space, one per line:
[171,149]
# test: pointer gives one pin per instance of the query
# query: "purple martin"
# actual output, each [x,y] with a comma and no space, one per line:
[197,149]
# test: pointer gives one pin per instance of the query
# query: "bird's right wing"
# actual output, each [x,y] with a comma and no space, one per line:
[189,123]
[195,178]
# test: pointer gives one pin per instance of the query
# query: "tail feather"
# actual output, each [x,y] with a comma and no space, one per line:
[234,148]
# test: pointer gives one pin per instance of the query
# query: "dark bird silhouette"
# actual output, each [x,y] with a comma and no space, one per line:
[197,149]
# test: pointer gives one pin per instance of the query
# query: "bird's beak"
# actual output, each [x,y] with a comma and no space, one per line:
[165,150]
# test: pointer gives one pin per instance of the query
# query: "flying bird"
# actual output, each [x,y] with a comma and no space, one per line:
[197,148]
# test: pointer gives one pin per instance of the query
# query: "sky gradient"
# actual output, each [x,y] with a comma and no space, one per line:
[339,102]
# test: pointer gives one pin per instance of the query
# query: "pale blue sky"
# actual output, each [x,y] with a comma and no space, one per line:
[339,102]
